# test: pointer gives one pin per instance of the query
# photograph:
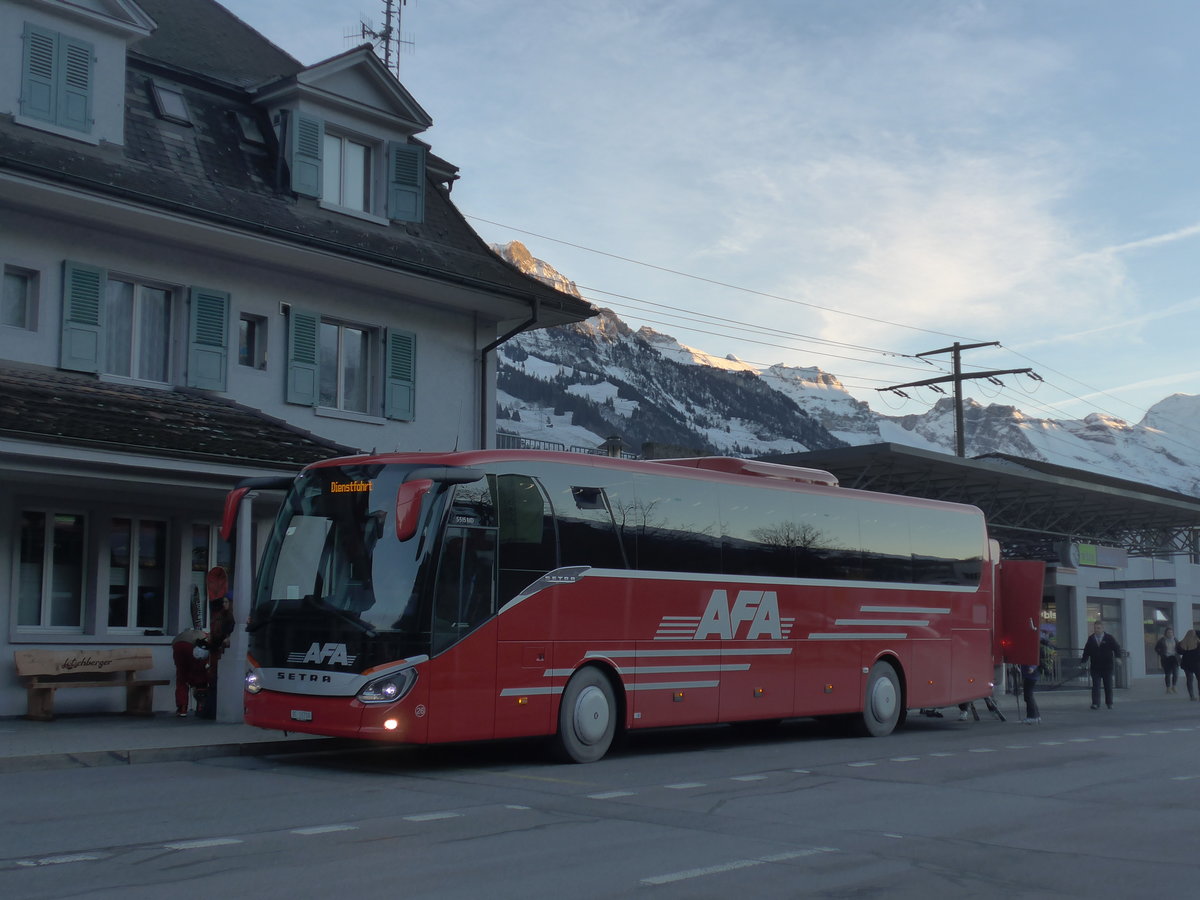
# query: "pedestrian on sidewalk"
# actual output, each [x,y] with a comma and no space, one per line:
[1168,658]
[1029,680]
[1101,651]
[1189,660]
[191,668]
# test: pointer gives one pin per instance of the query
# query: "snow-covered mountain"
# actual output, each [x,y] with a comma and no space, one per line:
[580,385]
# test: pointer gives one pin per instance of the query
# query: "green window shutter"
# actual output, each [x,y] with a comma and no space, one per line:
[75,85]
[38,88]
[406,182]
[305,140]
[82,317]
[303,361]
[208,339]
[400,389]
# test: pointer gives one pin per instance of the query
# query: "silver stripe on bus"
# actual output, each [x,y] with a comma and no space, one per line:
[917,610]
[781,582]
[913,622]
[672,685]
[659,670]
[857,636]
[530,691]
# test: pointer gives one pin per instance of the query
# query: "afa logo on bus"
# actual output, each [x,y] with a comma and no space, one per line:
[757,611]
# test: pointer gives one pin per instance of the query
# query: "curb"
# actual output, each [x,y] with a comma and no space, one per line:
[100,758]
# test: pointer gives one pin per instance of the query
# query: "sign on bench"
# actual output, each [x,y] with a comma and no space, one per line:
[47,671]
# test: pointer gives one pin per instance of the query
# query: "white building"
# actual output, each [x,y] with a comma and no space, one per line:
[218,263]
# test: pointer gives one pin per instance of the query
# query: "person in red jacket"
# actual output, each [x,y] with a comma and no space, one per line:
[191,667]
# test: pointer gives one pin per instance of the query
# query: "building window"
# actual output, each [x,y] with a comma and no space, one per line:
[345,367]
[137,566]
[138,323]
[252,341]
[346,173]
[19,301]
[51,570]
[170,104]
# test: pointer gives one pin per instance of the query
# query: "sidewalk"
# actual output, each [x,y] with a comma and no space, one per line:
[113,740]
[108,740]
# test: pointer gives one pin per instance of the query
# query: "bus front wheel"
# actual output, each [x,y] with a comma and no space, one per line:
[587,717]
[883,704]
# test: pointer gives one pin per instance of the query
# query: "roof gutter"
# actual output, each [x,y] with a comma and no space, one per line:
[535,312]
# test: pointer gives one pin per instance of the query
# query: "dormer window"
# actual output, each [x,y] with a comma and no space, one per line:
[169,104]
[353,174]
[347,168]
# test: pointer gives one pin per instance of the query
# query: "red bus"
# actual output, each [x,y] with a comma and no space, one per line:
[426,598]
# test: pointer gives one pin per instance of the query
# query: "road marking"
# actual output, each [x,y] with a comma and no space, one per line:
[1082,740]
[802,771]
[202,844]
[749,778]
[516,806]
[1053,743]
[734,866]
[982,750]
[610,795]
[1185,777]
[685,786]
[61,860]
[1135,734]
[432,817]
[324,829]
[943,753]
[905,758]
[860,765]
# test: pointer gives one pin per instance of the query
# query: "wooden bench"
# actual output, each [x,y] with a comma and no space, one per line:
[47,671]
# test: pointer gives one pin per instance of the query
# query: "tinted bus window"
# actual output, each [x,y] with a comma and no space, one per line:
[528,545]
[830,545]
[587,535]
[948,546]
[673,526]
[759,533]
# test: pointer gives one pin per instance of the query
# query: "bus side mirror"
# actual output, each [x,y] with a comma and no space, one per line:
[232,501]
[408,506]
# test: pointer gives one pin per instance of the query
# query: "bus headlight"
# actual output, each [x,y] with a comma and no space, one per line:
[389,688]
[253,682]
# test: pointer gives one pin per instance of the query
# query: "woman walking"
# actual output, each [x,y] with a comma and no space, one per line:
[1168,657]
[1189,660]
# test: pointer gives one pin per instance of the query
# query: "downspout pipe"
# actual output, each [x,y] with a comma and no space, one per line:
[535,312]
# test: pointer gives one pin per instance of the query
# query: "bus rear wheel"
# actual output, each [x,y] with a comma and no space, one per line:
[587,717]
[883,705]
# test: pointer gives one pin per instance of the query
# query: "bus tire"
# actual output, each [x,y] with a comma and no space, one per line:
[587,717]
[883,703]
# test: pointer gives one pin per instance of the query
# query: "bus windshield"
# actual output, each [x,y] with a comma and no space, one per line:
[336,571]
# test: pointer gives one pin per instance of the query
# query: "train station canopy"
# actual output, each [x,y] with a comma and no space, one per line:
[1031,506]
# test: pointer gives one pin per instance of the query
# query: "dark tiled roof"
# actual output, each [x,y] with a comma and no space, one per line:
[210,173]
[45,405]
[241,56]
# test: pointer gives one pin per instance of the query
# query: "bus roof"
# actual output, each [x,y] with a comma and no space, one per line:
[721,465]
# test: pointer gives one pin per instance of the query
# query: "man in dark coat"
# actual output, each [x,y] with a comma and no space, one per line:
[1101,650]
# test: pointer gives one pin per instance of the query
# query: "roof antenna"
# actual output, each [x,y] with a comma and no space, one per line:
[389,39]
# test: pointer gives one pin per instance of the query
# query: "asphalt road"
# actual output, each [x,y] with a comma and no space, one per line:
[1095,804]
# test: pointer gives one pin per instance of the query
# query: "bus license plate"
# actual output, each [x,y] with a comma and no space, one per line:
[301,715]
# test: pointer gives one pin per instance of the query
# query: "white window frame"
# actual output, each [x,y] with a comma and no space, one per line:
[29,301]
[370,366]
[46,580]
[137,337]
[134,569]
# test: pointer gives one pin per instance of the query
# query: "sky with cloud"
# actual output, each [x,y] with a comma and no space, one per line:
[835,183]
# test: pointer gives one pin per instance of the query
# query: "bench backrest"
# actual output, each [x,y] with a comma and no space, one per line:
[81,662]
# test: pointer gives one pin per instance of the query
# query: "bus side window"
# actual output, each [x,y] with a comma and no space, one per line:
[528,544]
[586,532]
